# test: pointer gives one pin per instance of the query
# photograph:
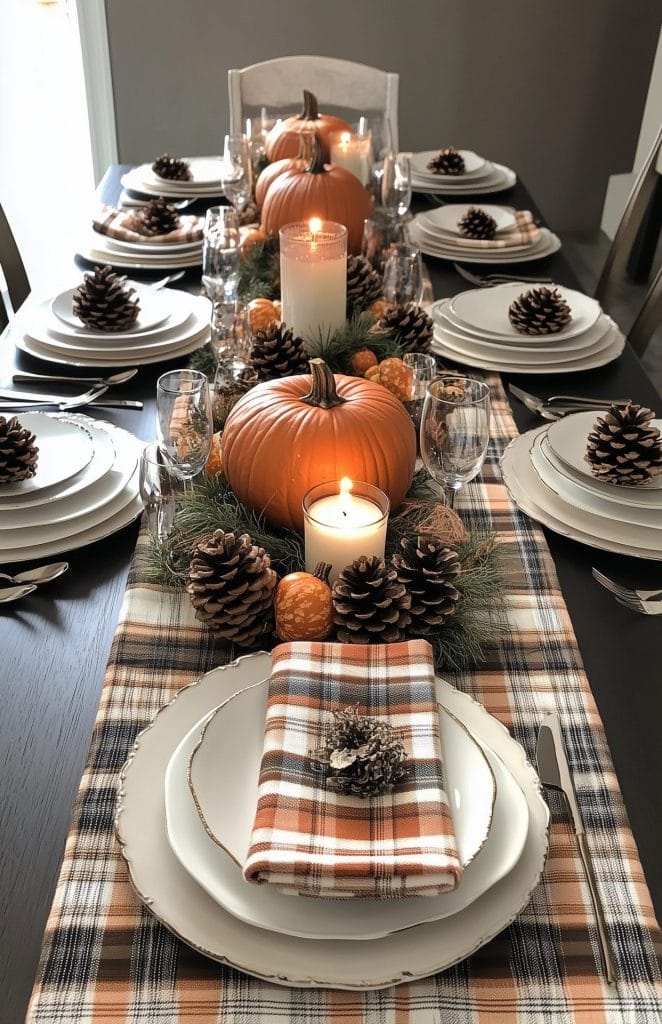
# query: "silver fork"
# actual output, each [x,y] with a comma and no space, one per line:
[490,280]
[647,602]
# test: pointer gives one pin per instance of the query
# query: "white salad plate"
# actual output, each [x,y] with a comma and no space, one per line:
[633,497]
[136,357]
[95,250]
[567,439]
[484,312]
[540,502]
[143,179]
[152,248]
[473,163]
[546,244]
[39,321]
[446,219]
[153,309]
[182,905]
[205,170]
[498,179]
[154,344]
[439,239]
[65,448]
[266,907]
[226,798]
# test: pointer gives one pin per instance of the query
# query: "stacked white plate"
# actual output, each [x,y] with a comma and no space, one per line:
[141,255]
[85,488]
[188,797]
[436,233]
[171,323]
[547,477]
[473,329]
[480,177]
[205,183]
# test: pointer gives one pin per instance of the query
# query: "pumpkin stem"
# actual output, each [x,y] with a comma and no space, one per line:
[316,165]
[310,110]
[322,394]
[306,138]
[322,570]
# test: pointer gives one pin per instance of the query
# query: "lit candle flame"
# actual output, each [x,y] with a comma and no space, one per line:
[345,501]
[315,225]
[344,139]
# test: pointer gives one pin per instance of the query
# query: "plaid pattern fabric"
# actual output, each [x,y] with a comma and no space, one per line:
[106,960]
[118,224]
[313,841]
[525,232]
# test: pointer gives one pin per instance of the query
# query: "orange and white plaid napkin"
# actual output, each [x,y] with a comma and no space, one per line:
[117,224]
[525,232]
[310,840]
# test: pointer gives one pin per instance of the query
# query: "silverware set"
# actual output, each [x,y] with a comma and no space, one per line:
[24,583]
[562,405]
[490,280]
[646,602]
[28,400]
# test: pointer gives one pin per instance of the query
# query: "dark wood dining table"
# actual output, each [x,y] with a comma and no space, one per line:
[54,646]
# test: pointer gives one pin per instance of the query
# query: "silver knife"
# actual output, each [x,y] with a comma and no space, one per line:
[554,771]
[99,403]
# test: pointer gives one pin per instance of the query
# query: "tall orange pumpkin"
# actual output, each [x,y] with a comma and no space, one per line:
[304,142]
[284,436]
[322,190]
[281,140]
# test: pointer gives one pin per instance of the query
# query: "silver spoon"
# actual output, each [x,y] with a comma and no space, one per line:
[115,378]
[163,281]
[42,574]
[15,593]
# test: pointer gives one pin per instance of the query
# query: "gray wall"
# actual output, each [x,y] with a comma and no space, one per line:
[555,88]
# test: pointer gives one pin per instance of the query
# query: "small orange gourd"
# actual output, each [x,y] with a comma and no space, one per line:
[261,312]
[303,605]
[394,375]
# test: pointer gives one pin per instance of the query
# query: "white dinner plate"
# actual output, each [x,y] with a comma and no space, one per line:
[536,499]
[446,219]
[634,497]
[441,240]
[225,769]
[94,250]
[205,170]
[547,244]
[182,905]
[52,355]
[65,448]
[154,344]
[151,248]
[101,464]
[500,179]
[153,310]
[493,353]
[147,183]
[266,907]
[568,436]
[39,321]
[484,311]
[472,163]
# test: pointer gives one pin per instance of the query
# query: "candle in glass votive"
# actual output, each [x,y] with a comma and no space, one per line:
[313,278]
[343,520]
[353,153]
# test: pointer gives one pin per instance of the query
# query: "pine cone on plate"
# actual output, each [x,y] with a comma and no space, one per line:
[476,223]
[277,353]
[172,168]
[448,161]
[364,284]
[18,452]
[623,447]
[428,569]
[104,303]
[370,604]
[159,217]
[231,585]
[410,326]
[540,311]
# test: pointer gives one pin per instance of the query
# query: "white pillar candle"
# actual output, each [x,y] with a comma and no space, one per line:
[344,520]
[353,153]
[313,278]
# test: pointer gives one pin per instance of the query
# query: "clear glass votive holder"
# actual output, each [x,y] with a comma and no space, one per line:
[424,370]
[313,278]
[160,490]
[344,519]
[234,377]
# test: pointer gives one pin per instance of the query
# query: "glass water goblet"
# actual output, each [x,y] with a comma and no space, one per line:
[159,491]
[184,421]
[237,172]
[221,253]
[403,274]
[455,431]
[423,371]
[395,186]
[231,335]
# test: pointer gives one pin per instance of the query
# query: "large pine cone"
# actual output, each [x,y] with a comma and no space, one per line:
[447,161]
[427,569]
[410,327]
[364,284]
[172,168]
[18,451]
[159,217]
[103,301]
[370,604]
[540,311]
[476,223]
[232,584]
[623,447]
[277,353]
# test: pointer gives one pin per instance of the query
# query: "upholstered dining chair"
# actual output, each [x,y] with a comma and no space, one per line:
[342,83]
[14,284]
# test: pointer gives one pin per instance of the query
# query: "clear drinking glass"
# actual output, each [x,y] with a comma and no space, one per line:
[230,330]
[455,430]
[159,491]
[403,274]
[395,186]
[424,369]
[221,254]
[380,234]
[184,421]
[237,171]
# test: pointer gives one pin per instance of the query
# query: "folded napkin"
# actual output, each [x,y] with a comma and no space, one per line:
[311,840]
[117,224]
[525,232]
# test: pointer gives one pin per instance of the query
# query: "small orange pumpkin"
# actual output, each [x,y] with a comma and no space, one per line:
[394,375]
[322,190]
[214,463]
[303,605]
[362,361]
[281,140]
[261,312]
[250,237]
[286,435]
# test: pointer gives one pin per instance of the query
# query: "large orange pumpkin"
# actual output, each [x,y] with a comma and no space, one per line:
[322,190]
[281,140]
[284,436]
[272,171]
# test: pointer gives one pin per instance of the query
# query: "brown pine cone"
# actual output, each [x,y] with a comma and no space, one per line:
[364,284]
[623,447]
[476,223]
[427,569]
[172,168]
[370,604]
[159,217]
[232,584]
[104,303]
[409,326]
[539,311]
[448,161]
[18,452]
[277,353]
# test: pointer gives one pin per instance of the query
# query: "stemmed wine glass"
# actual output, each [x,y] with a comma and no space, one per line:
[184,421]
[221,255]
[395,186]
[455,431]
[237,172]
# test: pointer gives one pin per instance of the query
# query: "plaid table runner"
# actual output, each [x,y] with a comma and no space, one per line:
[106,960]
